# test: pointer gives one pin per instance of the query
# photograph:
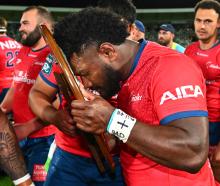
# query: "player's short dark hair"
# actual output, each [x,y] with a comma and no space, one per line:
[3,22]
[42,12]
[124,8]
[90,26]
[3,25]
[208,4]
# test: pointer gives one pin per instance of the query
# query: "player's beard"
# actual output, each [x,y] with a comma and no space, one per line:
[111,83]
[32,38]
[163,42]
[207,37]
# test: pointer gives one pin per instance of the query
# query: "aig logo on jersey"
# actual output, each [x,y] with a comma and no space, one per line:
[188,91]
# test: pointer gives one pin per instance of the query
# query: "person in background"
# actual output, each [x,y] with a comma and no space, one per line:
[124,8]
[29,62]
[139,31]
[158,115]
[206,53]
[166,36]
[9,48]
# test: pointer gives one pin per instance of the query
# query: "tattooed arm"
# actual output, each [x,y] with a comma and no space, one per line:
[11,159]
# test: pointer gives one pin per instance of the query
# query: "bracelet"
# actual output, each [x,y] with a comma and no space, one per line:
[120,125]
[22,179]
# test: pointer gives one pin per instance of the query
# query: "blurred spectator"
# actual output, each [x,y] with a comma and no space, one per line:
[139,31]
[166,36]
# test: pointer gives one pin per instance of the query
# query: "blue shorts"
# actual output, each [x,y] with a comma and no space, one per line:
[3,93]
[214,133]
[35,151]
[67,169]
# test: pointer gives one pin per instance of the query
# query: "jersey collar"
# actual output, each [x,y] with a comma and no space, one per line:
[143,43]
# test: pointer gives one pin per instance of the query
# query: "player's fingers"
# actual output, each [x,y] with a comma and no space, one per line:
[84,128]
[79,104]
[70,130]
[89,129]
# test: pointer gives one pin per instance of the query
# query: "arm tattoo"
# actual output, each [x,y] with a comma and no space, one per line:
[11,159]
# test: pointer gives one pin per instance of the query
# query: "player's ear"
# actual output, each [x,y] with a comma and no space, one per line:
[107,50]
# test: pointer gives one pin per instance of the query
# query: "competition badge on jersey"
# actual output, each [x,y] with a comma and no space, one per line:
[47,68]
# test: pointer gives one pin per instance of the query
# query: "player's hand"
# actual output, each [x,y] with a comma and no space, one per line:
[64,122]
[216,154]
[3,109]
[215,162]
[3,118]
[87,94]
[92,116]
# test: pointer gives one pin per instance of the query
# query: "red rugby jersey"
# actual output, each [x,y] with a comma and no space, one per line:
[27,67]
[209,61]
[9,48]
[164,86]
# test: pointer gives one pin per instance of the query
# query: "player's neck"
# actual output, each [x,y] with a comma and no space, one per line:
[170,44]
[207,44]
[3,34]
[130,53]
[40,44]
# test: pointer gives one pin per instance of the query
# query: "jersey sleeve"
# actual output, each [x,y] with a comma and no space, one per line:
[47,72]
[212,68]
[178,89]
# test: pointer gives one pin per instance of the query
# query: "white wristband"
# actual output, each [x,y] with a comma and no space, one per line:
[22,179]
[121,124]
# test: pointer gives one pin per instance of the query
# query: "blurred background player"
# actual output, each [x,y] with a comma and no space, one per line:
[29,62]
[138,31]
[9,48]
[166,36]
[128,12]
[206,52]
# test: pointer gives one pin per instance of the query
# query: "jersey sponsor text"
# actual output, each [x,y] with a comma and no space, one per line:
[182,92]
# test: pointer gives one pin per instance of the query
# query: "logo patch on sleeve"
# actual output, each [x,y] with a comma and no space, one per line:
[47,68]
[188,91]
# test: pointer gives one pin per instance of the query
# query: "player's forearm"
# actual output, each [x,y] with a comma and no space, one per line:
[41,105]
[173,147]
[23,130]
[6,105]
[11,159]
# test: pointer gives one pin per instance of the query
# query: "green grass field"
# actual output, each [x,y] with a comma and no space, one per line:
[5,181]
